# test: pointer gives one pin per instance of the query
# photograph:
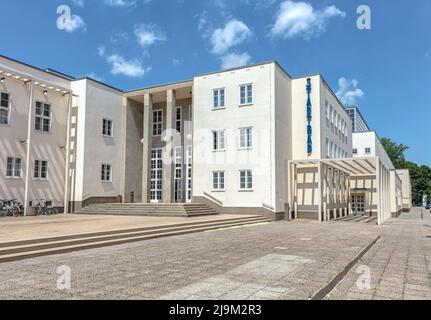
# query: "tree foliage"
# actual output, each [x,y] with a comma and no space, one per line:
[420,174]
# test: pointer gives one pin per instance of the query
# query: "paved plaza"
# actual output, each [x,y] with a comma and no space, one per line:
[281,260]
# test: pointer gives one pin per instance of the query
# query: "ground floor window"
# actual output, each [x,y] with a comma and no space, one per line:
[179,174]
[189,165]
[40,169]
[156,184]
[14,167]
[218,181]
[106,174]
[246,180]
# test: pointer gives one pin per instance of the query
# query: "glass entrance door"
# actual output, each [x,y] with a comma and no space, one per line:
[358,203]
[156,175]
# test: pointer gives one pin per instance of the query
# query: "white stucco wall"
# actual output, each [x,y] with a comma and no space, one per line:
[44,146]
[259,115]
[98,102]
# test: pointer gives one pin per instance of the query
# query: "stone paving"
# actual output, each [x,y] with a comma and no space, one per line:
[399,264]
[283,260]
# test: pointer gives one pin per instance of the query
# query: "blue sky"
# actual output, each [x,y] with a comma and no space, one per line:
[136,43]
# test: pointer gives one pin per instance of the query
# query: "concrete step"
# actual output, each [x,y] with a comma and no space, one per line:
[40,247]
[150,209]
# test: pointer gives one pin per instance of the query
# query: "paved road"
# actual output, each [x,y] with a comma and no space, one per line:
[270,261]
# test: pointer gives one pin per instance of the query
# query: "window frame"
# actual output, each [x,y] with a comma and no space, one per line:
[102,176]
[217,140]
[13,169]
[246,87]
[249,180]
[368,151]
[217,186]
[248,138]
[179,120]
[43,117]
[7,109]
[218,106]
[39,170]
[111,127]
[158,123]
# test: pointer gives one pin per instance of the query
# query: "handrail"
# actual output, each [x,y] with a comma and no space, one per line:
[267,206]
[213,198]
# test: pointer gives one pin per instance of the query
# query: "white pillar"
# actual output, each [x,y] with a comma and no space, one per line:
[29,136]
[67,158]
[147,145]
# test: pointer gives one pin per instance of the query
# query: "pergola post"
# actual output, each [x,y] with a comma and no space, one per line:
[319,177]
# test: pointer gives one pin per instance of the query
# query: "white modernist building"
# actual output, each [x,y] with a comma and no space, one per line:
[246,140]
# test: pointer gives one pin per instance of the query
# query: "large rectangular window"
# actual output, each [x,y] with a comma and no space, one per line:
[157,122]
[4,108]
[246,180]
[14,167]
[106,174]
[107,129]
[178,119]
[42,117]
[156,175]
[40,170]
[218,181]
[246,138]
[219,140]
[219,98]
[246,94]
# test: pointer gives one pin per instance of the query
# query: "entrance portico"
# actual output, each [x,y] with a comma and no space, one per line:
[164,125]
[330,189]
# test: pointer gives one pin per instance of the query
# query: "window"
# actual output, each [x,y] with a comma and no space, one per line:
[107,128]
[157,122]
[331,153]
[328,116]
[156,175]
[42,117]
[246,94]
[218,181]
[178,119]
[332,114]
[355,151]
[367,150]
[328,148]
[218,98]
[246,180]
[40,170]
[219,140]
[106,173]
[14,167]
[4,108]
[246,138]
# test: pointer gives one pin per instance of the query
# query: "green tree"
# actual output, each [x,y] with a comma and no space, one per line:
[395,152]
[420,175]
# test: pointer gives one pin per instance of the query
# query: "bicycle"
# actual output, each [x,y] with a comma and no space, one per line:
[11,208]
[45,208]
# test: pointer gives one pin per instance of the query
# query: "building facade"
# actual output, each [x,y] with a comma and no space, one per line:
[250,139]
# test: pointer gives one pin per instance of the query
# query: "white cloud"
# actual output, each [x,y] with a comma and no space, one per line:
[79,3]
[148,34]
[233,60]
[348,91]
[101,51]
[300,19]
[232,34]
[121,66]
[120,3]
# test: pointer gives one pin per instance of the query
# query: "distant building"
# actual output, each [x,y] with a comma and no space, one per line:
[358,122]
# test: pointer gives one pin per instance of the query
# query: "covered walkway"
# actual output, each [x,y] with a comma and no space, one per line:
[329,189]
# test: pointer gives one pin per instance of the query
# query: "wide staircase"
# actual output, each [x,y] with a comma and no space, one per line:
[31,248]
[147,209]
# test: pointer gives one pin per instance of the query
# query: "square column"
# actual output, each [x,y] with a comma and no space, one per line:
[168,155]
[147,145]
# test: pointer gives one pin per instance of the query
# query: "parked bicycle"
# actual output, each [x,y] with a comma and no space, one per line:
[44,208]
[11,208]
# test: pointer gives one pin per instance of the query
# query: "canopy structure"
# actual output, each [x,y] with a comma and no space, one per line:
[322,189]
